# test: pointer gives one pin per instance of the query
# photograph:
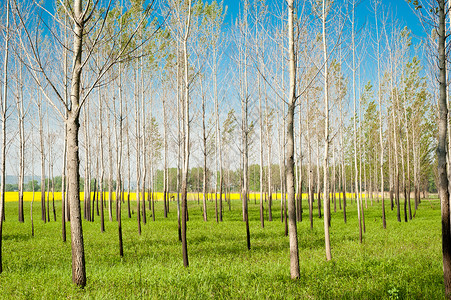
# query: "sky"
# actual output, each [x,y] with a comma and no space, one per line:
[400,9]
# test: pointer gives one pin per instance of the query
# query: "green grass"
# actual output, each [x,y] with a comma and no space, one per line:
[401,262]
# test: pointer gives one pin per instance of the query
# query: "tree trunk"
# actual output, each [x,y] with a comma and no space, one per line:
[301,178]
[379,97]
[310,168]
[165,161]
[144,141]
[102,168]
[441,152]
[326,139]
[355,123]
[318,178]
[408,146]
[110,170]
[73,161]
[294,251]
[41,137]
[21,117]
[268,141]
[186,139]
[3,151]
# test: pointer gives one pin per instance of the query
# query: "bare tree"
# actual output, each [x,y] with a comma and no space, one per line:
[4,116]
[85,17]
[325,11]
[294,252]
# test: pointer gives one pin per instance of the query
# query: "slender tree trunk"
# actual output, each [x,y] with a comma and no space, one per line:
[403,164]
[144,148]
[282,165]
[87,190]
[318,177]
[326,139]
[119,194]
[415,170]
[78,255]
[165,162]
[310,168]
[204,171]
[390,170]
[301,178]
[294,251]
[334,182]
[129,213]
[110,170]
[260,112]
[244,128]
[53,194]
[186,139]
[48,189]
[379,97]
[102,169]
[218,131]
[63,185]
[268,141]
[408,146]
[3,151]
[395,154]
[361,170]
[31,208]
[41,137]
[343,170]
[138,153]
[441,152]
[355,123]
[21,117]
[73,125]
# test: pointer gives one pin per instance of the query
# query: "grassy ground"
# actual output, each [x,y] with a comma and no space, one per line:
[401,262]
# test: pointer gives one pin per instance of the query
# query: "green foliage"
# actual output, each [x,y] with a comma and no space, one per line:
[402,262]
[11,187]
[29,186]
[172,177]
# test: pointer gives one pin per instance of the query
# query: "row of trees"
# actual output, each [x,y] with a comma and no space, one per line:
[142,96]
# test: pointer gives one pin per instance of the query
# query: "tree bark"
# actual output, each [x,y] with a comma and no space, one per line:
[355,123]
[326,139]
[78,253]
[186,138]
[73,125]
[441,151]
[294,251]
[3,151]
[379,97]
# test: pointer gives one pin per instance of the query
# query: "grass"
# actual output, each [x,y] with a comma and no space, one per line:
[401,262]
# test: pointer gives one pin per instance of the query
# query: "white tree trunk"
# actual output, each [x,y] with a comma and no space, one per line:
[294,251]
[3,115]
[326,139]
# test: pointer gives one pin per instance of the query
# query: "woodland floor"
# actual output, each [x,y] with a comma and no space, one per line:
[401,262]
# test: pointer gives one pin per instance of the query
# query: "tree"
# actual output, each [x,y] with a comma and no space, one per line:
[379,97]
[358,199]
[294,252]
[183,15]
[186,136]
[4,116]
[325,11]
[441,149]
[87,20]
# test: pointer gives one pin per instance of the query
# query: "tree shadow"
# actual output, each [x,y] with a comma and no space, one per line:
[16,237]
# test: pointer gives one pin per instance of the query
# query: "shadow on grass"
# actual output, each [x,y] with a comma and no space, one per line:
[16,237]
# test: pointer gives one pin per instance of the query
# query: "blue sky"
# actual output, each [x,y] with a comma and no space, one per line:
[399,8]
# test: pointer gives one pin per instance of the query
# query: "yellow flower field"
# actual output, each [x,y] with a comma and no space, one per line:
[28,196]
